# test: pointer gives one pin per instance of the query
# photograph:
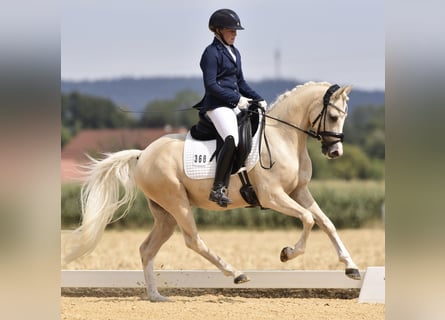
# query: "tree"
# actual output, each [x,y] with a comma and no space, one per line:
[365,127]
[175,112]
[353,164]
[82,112]
[91,112]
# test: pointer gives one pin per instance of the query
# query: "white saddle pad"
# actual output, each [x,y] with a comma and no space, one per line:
[197,154]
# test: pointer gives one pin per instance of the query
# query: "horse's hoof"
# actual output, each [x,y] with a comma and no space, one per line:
[353,273]
[283,254]
[158,298]
[241,279]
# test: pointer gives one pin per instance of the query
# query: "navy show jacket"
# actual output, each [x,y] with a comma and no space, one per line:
[223,78]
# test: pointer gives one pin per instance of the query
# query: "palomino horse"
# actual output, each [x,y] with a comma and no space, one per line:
[316,109]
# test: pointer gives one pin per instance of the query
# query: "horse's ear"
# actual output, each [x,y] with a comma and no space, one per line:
[345,89]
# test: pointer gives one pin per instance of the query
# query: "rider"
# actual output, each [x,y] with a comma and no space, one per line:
[226,93]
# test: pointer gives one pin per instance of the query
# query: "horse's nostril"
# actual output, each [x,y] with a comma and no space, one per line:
[334,154]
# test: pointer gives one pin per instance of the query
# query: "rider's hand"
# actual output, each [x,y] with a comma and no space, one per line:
[263,104]
[243,102]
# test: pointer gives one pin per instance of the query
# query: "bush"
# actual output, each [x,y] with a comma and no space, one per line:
[70,205]
[349,204]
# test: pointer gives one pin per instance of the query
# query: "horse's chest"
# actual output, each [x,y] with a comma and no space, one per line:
[299,173]
[305,169]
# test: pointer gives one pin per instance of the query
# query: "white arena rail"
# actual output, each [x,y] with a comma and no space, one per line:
[372,286]
[208,279]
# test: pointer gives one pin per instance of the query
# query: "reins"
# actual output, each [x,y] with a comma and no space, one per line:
[183,109]
[318,134]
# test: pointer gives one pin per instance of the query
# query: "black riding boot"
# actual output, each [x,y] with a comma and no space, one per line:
[218,193]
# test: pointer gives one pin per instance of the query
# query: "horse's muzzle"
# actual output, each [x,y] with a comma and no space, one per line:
[332,149]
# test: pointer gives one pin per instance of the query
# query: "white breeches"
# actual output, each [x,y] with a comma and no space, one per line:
[225,122]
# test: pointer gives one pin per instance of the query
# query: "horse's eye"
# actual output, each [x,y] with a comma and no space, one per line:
[333,118]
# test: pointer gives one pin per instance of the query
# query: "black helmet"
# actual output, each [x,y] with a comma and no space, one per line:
[224,18]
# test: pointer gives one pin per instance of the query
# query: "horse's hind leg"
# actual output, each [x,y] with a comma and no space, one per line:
[194,242]
[184,217]
[163,227]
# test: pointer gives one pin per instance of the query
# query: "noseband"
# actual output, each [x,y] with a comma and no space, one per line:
[321,118]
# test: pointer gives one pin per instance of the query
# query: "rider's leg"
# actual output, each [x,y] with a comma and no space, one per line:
[224,120]
[218,193]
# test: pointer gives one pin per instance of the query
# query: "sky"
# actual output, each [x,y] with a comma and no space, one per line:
[340,41]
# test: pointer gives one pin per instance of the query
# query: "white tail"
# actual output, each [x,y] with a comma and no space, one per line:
[100,199]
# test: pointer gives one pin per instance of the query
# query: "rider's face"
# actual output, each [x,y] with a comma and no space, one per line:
[229,35]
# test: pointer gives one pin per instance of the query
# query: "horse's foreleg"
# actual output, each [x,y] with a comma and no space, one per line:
[285,204]
[328,227]
[289,253]
[163,227]
[304,197]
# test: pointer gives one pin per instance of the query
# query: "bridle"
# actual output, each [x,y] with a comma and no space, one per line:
[318,134]
[321,118]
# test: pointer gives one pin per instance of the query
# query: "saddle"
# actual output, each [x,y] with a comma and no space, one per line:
[248,124]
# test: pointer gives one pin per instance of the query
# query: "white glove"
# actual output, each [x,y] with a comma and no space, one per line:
[243,102]
[263,104]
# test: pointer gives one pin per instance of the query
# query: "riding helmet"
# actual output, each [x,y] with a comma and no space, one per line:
[224,18]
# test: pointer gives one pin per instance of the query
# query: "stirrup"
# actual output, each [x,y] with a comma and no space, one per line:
[219,195]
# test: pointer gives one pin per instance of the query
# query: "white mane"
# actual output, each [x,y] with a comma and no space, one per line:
[289,92]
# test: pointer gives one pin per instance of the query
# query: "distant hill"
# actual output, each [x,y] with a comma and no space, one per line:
[136,93]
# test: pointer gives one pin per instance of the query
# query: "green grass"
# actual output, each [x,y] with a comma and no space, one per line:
[349,204]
